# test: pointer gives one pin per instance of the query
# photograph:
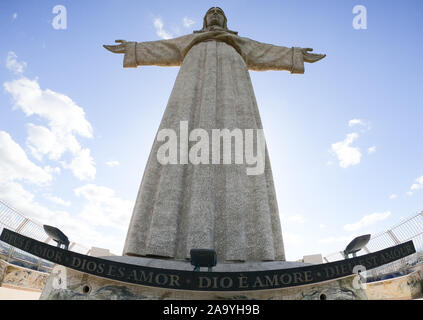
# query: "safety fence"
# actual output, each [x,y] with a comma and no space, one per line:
[408,229]
[13,220]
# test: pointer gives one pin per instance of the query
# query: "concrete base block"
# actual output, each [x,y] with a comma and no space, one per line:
[67,284]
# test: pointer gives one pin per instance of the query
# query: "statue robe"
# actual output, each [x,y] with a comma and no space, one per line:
[208,206]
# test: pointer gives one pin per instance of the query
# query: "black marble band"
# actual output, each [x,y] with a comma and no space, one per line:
[205,281]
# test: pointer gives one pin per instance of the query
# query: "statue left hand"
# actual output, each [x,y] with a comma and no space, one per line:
[311,57]
[121,48]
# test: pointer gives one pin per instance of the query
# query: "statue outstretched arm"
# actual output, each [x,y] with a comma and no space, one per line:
[262,56]
[157,53]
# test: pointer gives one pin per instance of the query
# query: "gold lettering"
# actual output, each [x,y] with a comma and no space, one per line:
[201,282]
[76,262]
[91,266]
[100,268]
[83,264]
[58,257]
[388,255]
[37,250]
[329,272]
[112,269]
[228,280]
[174,279]
[145,278]
[121,272]
[50,254]
[258,283]
[214,283]
[164,279]
[286,278]
[272,281]
[298,277]
[133,274]
[243,282]
[307,276]
[27,245]
[396,253]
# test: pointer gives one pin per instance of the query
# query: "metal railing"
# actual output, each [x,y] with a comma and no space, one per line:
[12,219]
[408,229]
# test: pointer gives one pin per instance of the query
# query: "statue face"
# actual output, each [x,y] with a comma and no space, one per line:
[215,17]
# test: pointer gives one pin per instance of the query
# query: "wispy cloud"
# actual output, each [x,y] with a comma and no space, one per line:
[367,221]
[359,123]
[15,16]
[12,63]
[188,22]
[347,155]
[112,163]
[371,150]
[57,200]
[160,31]
[393,196]
[418,184]
[15,165]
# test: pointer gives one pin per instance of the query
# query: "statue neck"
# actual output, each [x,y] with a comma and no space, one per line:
[215,28]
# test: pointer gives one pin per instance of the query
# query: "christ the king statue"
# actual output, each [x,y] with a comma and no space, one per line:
[185,206]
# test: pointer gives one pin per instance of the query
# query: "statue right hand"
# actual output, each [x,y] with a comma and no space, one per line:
[121,48]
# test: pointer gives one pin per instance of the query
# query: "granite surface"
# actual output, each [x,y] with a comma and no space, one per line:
[399,288]
[21,277]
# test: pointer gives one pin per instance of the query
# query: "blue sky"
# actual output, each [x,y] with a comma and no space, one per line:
[344,138]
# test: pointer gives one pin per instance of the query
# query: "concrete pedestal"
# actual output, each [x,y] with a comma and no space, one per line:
[65,283]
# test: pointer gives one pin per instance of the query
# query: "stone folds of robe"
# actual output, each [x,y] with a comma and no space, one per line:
[209,206]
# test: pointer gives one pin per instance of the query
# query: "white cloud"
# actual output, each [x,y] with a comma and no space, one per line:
[418,184]
[367,221]
[347,155]
[393,196]
[160,31]
[65,120]
[15,165]
[43,141]
[188,22]
[58,109]
[112,163]
[359,122]
[103,207]
[86,232]
[57,200]
[371,150]
[355,122]
[82,165]
[322,226]
[12,63]
[15,16]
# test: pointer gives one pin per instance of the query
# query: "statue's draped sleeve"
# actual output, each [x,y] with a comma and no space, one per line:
[262,56]
[156,53]
[258,56]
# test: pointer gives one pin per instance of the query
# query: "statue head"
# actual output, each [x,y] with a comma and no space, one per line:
[215,19]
